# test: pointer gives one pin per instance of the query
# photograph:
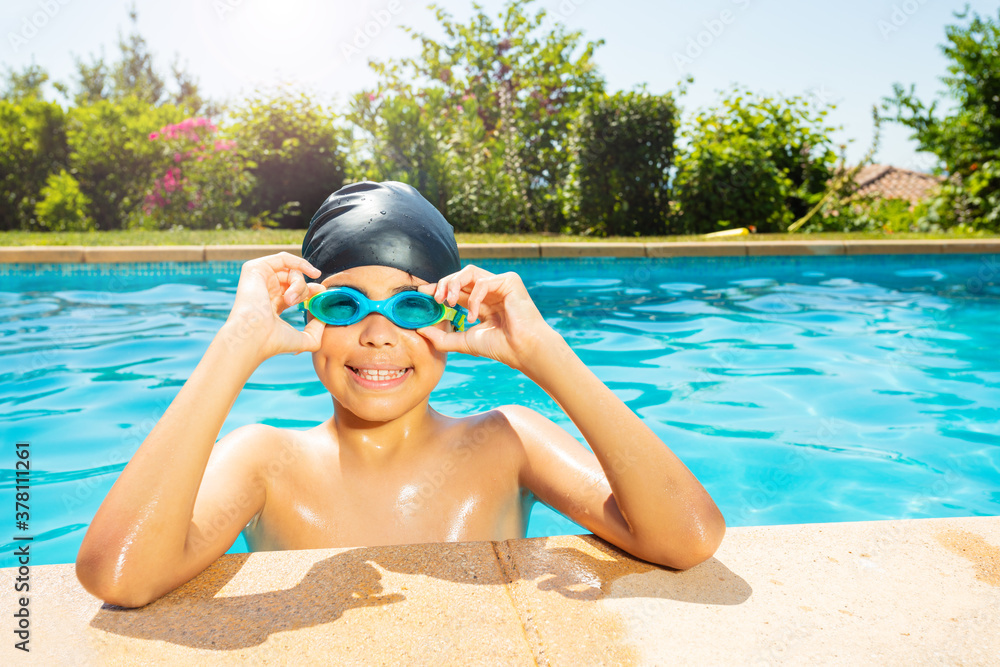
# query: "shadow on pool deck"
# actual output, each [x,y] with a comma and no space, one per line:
[353,579]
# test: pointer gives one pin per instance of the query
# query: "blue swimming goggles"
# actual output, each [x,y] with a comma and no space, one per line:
[342,306]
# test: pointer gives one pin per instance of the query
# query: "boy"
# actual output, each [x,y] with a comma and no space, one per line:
[361,477]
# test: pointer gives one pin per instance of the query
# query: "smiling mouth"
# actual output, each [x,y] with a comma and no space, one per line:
[379,375]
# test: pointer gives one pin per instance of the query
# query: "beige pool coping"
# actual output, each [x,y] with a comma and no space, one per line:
[201,253]
[888,592]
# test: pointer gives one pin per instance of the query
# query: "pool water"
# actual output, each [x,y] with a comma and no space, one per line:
[798,390]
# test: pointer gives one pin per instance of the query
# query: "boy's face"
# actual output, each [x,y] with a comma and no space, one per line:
[375,342]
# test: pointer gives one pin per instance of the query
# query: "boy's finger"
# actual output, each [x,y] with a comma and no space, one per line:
[285,260]
[475,299]
[294,278]
[442,341]
[313,289]
[453,284]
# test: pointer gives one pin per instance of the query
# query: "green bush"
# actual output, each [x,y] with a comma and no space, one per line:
[752,161]
[871,214]
[621,154]
[969,203]
[63,208]
[732,184]
[32,146]
[112,156]
[295,152]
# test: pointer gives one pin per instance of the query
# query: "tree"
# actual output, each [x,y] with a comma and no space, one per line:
[971,132]
[134,74]
[494,99]
[25,84]
[966,139]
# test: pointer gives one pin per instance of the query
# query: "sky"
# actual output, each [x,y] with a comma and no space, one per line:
[848,53]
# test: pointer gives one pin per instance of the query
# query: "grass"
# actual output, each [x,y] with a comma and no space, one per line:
[294,236]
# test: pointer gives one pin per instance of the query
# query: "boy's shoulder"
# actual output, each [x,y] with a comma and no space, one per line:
[510,417]
[250,445]
[519,425]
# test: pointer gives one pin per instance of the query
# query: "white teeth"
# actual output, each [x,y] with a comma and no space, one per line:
[379,375]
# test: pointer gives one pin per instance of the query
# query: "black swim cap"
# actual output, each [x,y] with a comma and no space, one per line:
[385,224]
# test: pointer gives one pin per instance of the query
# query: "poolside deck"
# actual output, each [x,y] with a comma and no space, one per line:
[892,592]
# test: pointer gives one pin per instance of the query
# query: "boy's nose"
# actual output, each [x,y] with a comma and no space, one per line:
[377,329]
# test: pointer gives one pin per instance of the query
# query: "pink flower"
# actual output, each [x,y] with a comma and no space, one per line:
[153,136]
[460,109]
[171,180]
[152,201]
[372,97]
[190,205]
[177,157]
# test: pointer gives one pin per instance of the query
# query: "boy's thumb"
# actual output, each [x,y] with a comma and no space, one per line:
[313,335]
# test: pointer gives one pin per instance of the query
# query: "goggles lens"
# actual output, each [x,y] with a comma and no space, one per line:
[335,307]
[412,310]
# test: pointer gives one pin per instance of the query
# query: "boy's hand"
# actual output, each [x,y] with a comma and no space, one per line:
[268,285]
[511,330]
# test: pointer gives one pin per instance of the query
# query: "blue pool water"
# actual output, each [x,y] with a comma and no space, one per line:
[797,389]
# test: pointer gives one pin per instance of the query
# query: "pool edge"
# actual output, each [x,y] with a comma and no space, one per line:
[902,592]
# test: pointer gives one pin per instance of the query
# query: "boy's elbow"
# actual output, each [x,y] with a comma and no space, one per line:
[95,578]
[694,550]
[693,554]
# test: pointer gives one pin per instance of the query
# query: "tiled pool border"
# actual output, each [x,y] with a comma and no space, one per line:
[209,253]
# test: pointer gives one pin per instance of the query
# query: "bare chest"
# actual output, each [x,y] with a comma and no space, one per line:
[463,490]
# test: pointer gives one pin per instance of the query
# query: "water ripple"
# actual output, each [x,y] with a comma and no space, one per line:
[796,389]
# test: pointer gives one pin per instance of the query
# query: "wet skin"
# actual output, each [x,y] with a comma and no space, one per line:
[387,468]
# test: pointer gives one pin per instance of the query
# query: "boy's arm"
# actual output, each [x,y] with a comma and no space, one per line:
[182,499]
[632,491]
[136,548]
[651,505]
